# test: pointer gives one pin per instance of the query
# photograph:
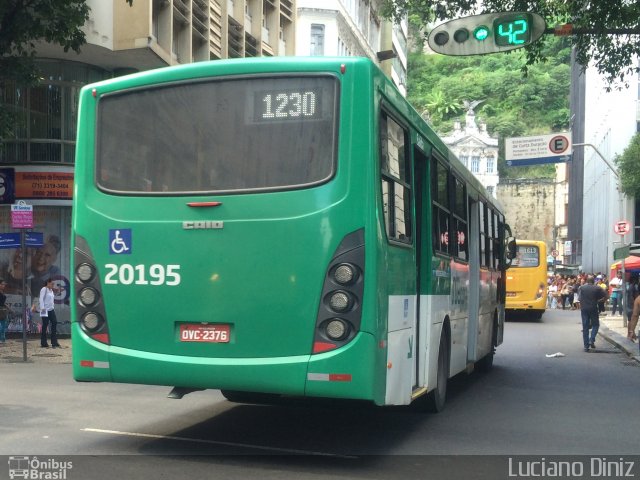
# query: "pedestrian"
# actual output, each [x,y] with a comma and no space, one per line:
[552,300]
[48,315]
[631,294]
[564,294]
[590,296]
[633,320]
[616,293]
[600,282]
[4,312]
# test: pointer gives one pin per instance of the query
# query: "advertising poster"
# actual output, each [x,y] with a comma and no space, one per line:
[49,261]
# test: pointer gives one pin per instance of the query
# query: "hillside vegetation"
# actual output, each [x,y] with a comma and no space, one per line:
[513,105]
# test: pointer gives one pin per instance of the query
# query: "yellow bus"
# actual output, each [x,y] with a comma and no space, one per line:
[527,279]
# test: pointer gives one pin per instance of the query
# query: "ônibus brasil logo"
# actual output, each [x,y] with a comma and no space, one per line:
[37,469]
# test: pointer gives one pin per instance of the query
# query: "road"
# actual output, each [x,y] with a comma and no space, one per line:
[530,404]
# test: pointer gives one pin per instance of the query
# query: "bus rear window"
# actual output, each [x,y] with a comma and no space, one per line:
[526,256]
[218,136]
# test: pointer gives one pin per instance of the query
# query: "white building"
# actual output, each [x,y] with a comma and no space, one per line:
[352,28]
[610,121]
[476,149]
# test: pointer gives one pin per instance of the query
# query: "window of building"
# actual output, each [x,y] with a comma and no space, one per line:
[475,164]
[491,165]
[395,179]
[465,160]
[46,115]
[317,40]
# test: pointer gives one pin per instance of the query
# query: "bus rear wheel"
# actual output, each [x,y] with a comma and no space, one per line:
[486,363]
[436,399]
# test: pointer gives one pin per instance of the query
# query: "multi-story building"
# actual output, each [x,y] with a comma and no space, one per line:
[476,149]
[603,124]
[37,163]
[352,28]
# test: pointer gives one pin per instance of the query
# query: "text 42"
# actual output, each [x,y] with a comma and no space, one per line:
[142,274]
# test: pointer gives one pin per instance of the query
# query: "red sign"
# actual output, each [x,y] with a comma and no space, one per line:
[622,228]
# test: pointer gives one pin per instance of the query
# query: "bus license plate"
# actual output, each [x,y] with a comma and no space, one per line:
[511,294]
[204,333]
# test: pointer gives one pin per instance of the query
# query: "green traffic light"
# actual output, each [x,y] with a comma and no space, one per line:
[481,33]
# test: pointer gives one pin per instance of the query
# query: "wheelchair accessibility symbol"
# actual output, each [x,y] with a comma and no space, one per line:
[120,241]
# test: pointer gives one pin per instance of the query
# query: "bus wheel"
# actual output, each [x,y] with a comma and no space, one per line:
[436,399]
[486,363]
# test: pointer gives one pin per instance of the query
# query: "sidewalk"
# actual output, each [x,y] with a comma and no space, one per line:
[613,331]
[12,351]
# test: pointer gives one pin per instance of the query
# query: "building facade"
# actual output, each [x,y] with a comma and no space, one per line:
[37,161]
[603,124]
[477,150]
[352,28]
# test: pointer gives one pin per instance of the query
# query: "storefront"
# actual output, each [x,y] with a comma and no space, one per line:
[37,165]
[48,190]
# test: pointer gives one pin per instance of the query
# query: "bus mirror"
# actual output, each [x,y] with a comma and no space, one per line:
[511,249]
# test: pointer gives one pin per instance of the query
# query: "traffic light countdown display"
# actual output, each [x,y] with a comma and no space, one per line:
[486,33]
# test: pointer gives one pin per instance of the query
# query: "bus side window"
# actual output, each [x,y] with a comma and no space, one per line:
[483,235]
[440,207]
[395,180]
[460,228]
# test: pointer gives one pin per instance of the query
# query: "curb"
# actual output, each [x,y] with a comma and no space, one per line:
[620,341]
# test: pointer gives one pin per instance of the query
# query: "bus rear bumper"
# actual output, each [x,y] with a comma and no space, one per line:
[343,373]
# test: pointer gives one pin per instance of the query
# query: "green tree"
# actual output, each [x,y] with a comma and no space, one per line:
[628,168]
[613,55]
[438,105]
[512,105]
[23,23]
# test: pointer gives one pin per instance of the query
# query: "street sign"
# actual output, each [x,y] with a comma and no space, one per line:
[21,215]
[554,253]
[12,239]
[567,247]
[621,252]
[552,148]
[622,227]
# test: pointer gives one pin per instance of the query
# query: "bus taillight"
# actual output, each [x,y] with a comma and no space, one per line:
[90,309]
[339,312]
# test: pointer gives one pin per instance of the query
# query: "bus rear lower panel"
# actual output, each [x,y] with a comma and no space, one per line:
[344,373]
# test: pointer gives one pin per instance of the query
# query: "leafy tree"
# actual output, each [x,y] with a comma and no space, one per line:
[512,105]
[612,55]
[439,105]
[628,168]
[22,24]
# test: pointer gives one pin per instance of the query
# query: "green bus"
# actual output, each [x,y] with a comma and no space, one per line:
[278,227]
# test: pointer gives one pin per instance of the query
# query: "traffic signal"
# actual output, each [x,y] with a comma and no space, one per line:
[487,33]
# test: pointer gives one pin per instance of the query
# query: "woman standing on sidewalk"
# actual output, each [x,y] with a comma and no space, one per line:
[48,315]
